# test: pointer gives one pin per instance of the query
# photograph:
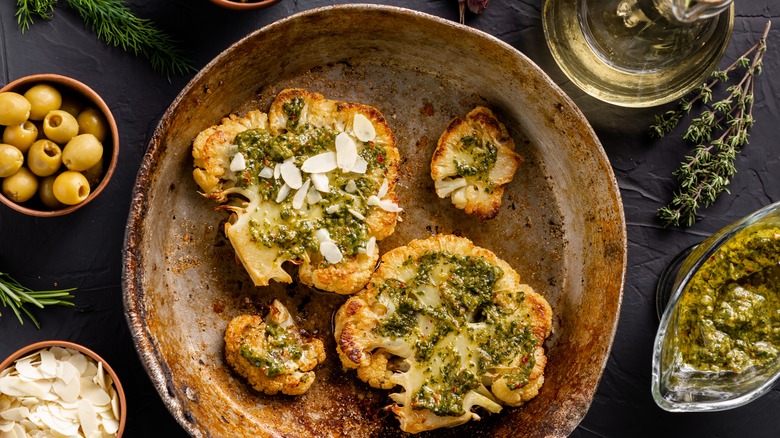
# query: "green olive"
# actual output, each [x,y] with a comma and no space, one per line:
[82,152]
[46,193]
[11,160]
[44,158]
[59,126]
[20,186]
[43,98]
[92,121]
[22,136]
[95,173]
[72,104]
[71,187]
[14,108]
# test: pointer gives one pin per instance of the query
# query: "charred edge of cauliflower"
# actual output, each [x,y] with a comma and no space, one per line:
[249,180]
[473,162]
[451,324]
[272,354]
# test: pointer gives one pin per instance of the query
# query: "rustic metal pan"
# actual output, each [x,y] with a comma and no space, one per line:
[561,225]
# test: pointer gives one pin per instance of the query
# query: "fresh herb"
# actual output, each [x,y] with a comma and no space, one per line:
[707,172]
[117,25]
[17,297]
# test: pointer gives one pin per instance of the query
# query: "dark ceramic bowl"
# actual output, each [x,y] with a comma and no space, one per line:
[86,94]
[561,225]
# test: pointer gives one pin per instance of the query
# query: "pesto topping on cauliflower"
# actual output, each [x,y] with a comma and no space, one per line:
[473,162]
[311,182]
[272,354]
[466,332]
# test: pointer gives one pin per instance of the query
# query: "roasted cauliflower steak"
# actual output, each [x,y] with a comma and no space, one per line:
[452,326]
[311,182]
[272,354]
[473,162]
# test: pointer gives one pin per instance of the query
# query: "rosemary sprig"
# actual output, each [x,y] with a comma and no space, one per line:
[117,25]
[18,297]
[707,172]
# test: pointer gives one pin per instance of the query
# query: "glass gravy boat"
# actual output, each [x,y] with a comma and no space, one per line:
[725,324]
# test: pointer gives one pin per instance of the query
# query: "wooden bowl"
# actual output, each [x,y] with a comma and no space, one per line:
[561,224]
[43,345]
[244,6]
[81,91]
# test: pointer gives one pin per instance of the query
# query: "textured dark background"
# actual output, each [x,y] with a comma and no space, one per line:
[84,249]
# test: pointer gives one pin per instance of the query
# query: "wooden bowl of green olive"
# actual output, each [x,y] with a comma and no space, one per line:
[240,5]
[59,145]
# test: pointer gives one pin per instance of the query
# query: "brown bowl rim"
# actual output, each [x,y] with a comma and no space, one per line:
[41,345]
[84,90]
[238,6]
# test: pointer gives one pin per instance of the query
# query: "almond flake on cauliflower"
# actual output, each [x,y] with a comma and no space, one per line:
[473,162]
[311,183]
[450,324]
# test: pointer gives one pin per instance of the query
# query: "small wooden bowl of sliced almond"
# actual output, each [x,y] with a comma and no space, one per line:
[58,388]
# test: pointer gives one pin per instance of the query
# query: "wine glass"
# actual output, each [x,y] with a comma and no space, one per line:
[637,53]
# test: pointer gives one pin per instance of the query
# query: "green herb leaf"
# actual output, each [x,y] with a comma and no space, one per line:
[18,297]
[117,25]
[706,173]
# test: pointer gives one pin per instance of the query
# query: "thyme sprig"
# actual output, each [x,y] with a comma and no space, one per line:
[707,172]
[18,297]
[117,25]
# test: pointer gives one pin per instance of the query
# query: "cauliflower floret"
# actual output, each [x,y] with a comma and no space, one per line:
[272,354]
[473,162]
[452,325]
[311,182]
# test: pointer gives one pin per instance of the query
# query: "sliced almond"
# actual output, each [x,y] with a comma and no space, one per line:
[283,192]
[266,173]
[373,200]
[313,196]
[357,214]
[320,181]
[331,252]
[361,165]
[371,246]
[277,170]
[363,128]
[88,418]
[94,393]
[350,187]
[48,364]
[18,413]
[333,208]
[322,235]
[300,195]
[321,163]
[291,174]
[27,371]
[382,189]
[346,152]
[238,163]
[390,206]
[68,392]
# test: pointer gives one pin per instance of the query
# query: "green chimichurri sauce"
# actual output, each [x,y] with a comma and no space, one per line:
[466,287]
[293,233]
[482,157]
[282,347]
[729,315]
